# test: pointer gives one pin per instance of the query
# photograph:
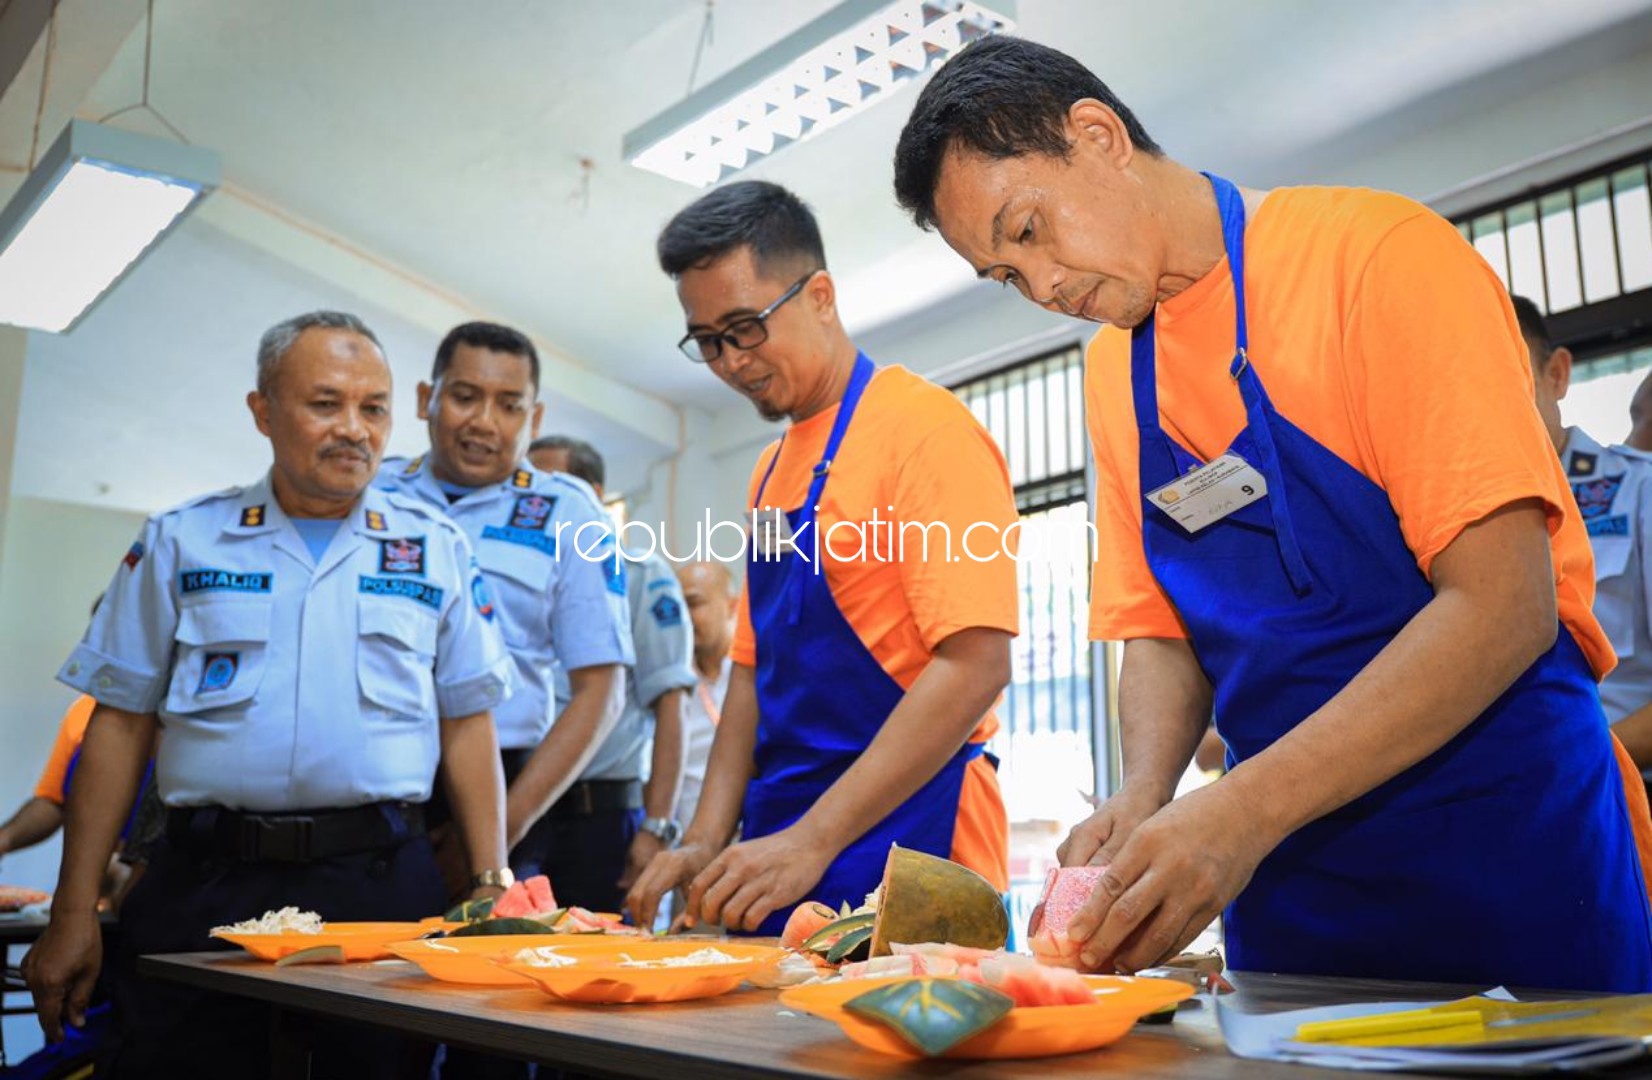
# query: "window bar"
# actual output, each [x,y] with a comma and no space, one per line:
[1044,371]
[1577,243]
[1542,256]
[1612,218]
[1508,255]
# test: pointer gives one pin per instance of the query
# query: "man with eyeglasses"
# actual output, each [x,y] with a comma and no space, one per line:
[866,665]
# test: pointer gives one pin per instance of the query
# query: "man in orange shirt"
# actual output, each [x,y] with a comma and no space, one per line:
[1327,512]
[865,666]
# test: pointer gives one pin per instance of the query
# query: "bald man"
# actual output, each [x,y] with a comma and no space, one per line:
[1640,417]
[709,591]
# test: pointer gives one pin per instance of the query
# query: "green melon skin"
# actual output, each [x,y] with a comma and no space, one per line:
[927,898]
[496,927]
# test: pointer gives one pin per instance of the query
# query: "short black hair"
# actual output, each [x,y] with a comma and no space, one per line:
[775,224]
[1000,97]
[1533,328]
[485,335]
[584,461]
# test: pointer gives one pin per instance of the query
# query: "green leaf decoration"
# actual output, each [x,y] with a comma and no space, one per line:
[855,941]
[470,911]
[933,1015]
[315,954]
[495,927]
[823,939]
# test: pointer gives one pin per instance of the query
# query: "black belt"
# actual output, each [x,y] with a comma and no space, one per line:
[296,837]
[584,798]
[597,796]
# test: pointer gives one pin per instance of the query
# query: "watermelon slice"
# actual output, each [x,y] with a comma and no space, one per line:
[1031,983]
[526,899]
[1065,891]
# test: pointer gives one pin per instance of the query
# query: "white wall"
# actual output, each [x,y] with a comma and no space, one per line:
[58,557]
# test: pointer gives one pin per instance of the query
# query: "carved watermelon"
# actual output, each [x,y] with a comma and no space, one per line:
[1065,891]
[526,899]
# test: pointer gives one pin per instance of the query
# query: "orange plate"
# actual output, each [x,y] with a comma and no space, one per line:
[469,961]
[359,940]
[1025,1032]
[598,978]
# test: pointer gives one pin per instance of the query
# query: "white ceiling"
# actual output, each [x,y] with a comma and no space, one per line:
[445,140]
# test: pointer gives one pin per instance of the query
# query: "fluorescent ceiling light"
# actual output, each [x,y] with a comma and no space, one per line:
[99,199]
[850,58]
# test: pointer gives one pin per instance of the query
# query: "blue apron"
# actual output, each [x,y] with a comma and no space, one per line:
[822,698]
[1506,856]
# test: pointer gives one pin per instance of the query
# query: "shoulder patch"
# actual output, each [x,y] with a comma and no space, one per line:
[134,555]
[413,466]
[480,595]
[666,611]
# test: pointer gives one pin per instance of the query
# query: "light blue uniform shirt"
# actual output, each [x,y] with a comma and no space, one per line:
[286,683]
[663,640]
[556,605]
[1614,492]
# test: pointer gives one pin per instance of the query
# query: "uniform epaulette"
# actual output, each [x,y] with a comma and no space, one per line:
[578,486]
[211,496]
[412,504]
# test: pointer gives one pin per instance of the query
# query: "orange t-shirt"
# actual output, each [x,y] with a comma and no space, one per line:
[914,454]
[71,732]
[1384,336]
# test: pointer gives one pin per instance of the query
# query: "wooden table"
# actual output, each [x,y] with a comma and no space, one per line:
[743,1034]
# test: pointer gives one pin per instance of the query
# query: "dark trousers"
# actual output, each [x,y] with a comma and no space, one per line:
[167,1030]
[584,856]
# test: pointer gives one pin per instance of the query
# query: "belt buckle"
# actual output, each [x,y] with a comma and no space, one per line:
[286,839]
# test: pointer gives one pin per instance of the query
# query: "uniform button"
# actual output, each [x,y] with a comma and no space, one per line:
[105,682]
[74,667]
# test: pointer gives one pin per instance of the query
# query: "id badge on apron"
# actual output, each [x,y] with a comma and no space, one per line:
[1210,493]
[771,532]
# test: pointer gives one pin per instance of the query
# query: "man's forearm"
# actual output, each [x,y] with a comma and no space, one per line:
[112,760]
[567,749]
[1164,708]
[34,821]
[729,767]
[1635,732]
[1493,614]
[928,726]
[665,771]
[475,784]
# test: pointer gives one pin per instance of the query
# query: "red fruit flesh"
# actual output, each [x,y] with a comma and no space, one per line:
[1065,891]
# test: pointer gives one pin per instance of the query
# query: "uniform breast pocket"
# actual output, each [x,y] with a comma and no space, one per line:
[520,578]
[396,657]
[222,650]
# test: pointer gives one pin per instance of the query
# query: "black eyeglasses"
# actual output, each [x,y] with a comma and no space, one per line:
[744,333]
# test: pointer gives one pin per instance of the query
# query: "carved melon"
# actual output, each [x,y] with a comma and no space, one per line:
[925,898]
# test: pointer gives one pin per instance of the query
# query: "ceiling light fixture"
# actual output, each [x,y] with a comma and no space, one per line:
[95,204]
[852,57]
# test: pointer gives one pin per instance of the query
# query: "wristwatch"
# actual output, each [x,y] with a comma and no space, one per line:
[501,879]
[667,830]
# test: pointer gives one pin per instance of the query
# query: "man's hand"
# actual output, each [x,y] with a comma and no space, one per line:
[1174,874]
[62,968]
[753,879]
[1096,840]
[670,870]
[644,846]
